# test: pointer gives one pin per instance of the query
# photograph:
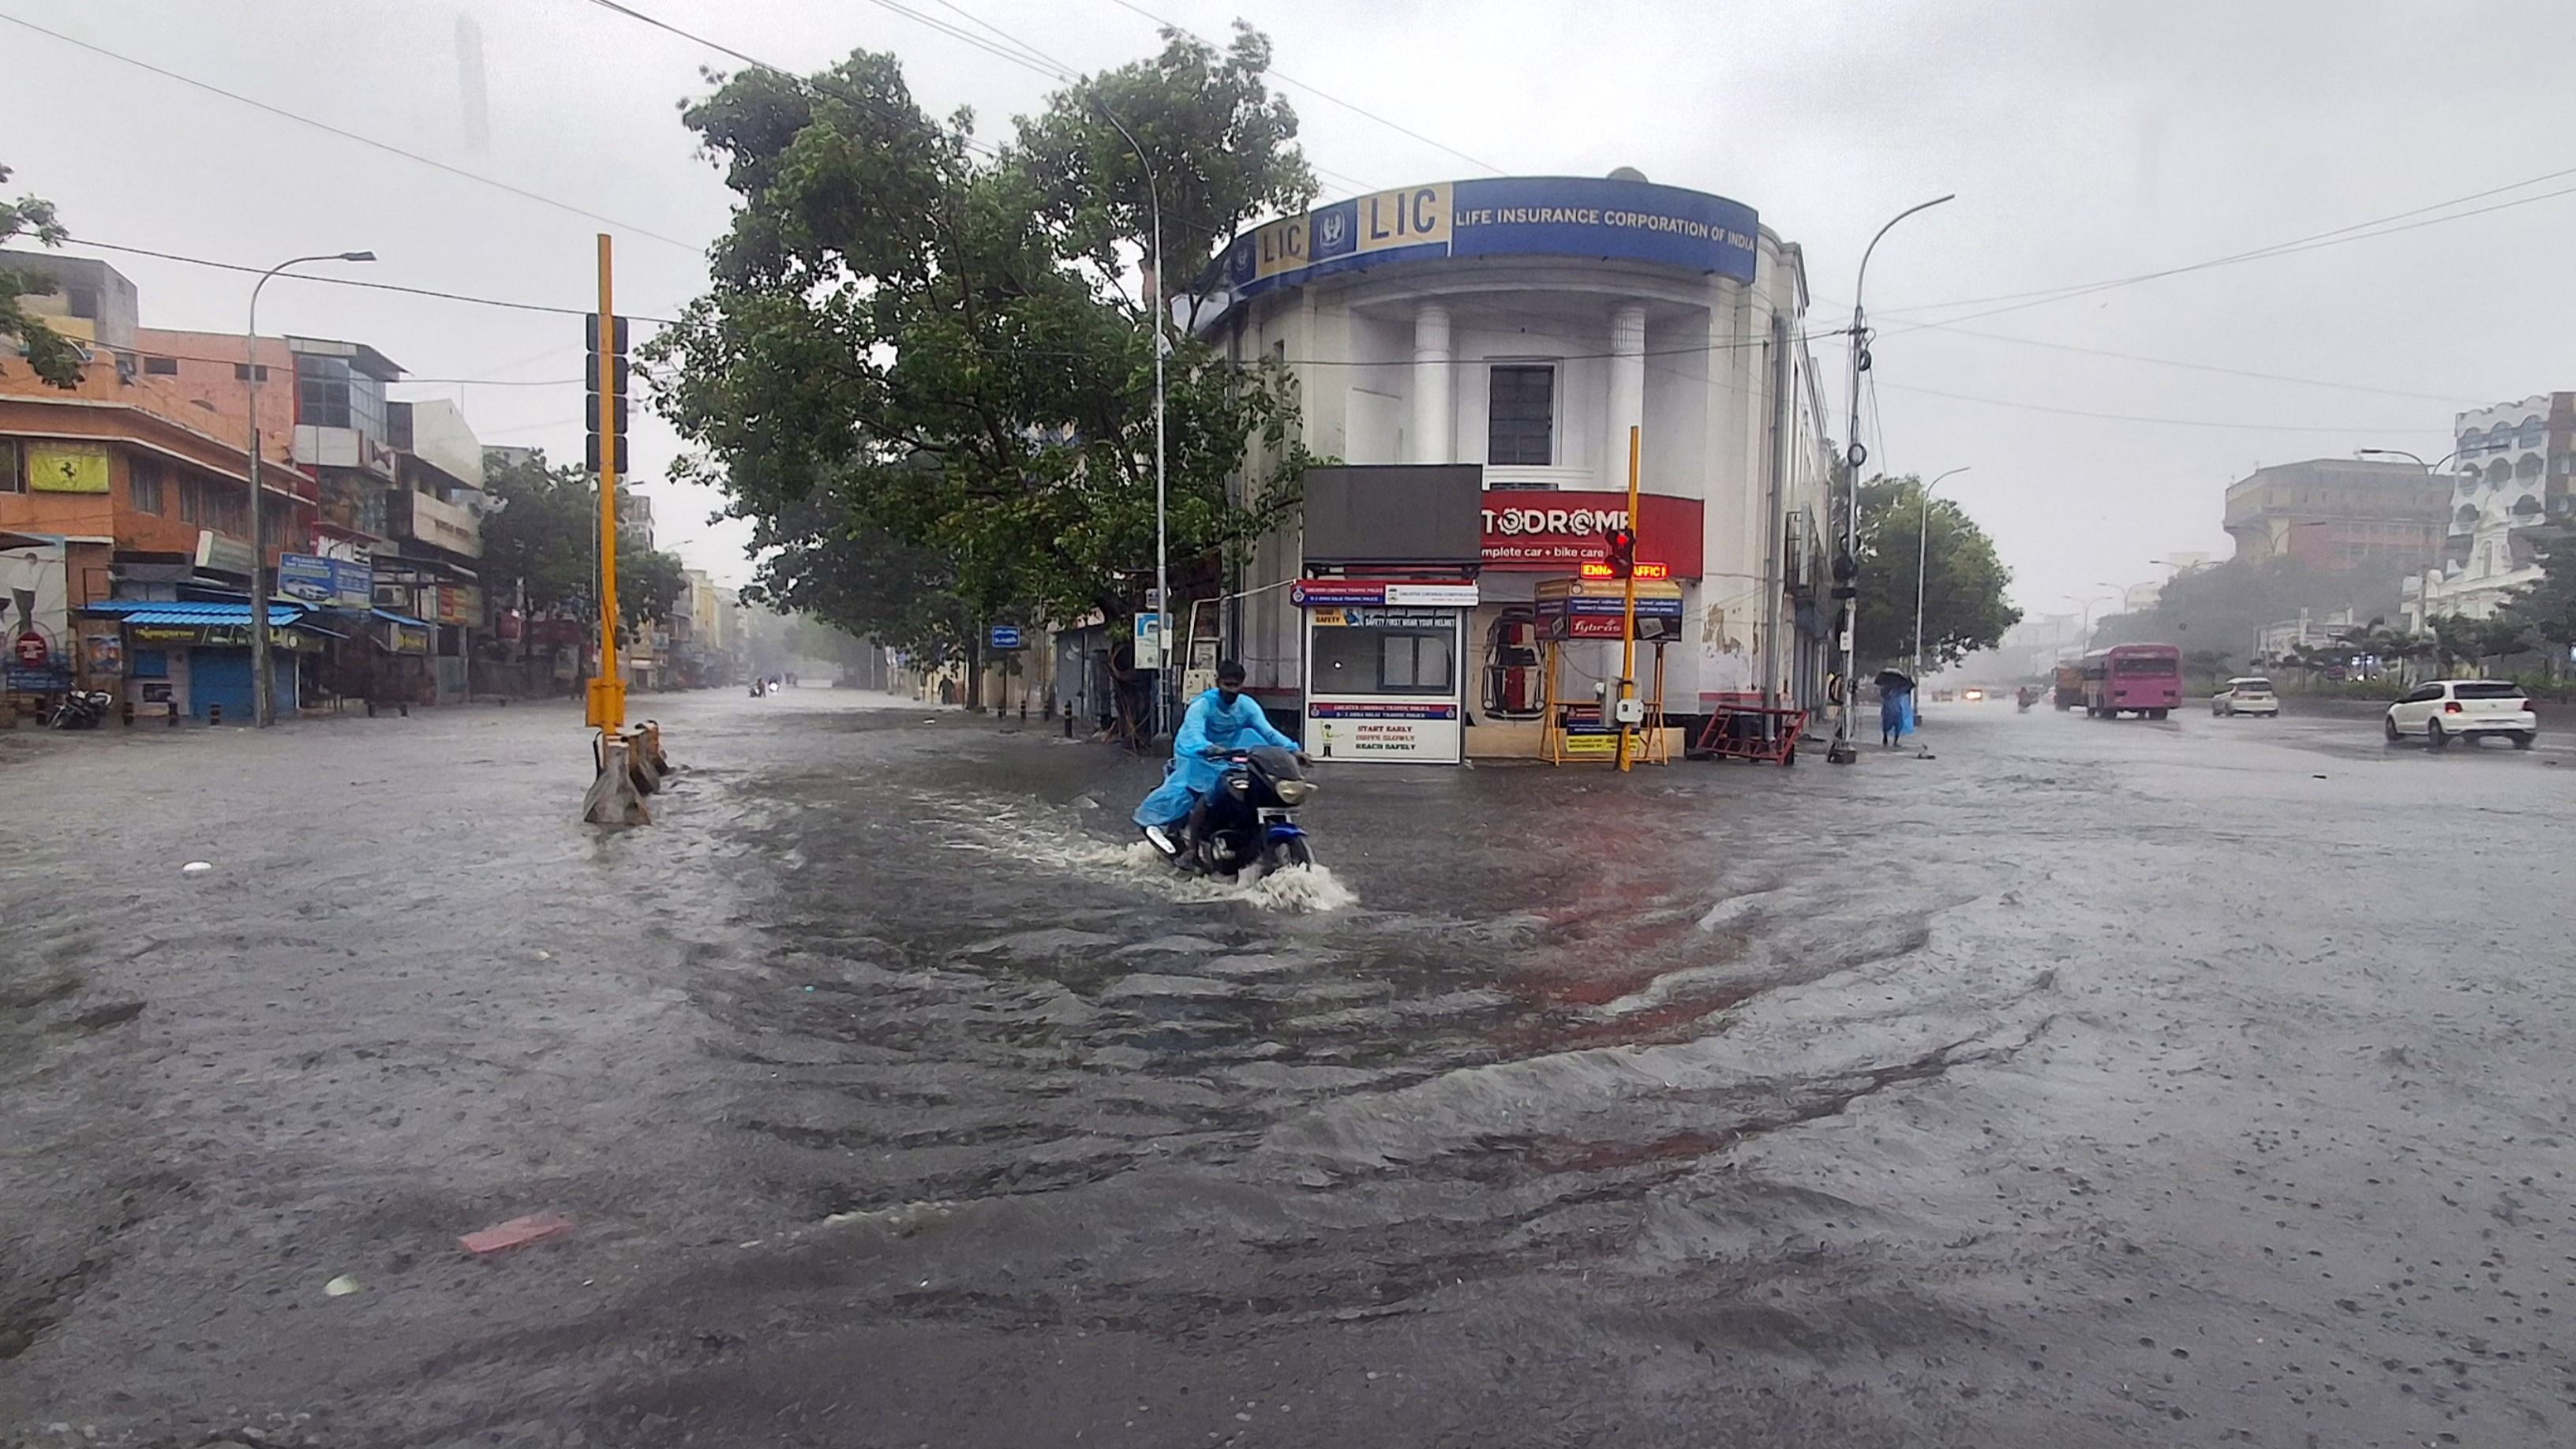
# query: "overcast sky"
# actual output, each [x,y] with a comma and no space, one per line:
[2086,142]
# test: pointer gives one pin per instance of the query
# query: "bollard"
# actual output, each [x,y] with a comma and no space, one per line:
[126,713]
[1024,711]
[170,714]
[613,798]
[1068,724]
[214,713]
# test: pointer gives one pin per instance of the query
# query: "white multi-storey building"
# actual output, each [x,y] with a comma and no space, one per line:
[1527,324]
[2514,471]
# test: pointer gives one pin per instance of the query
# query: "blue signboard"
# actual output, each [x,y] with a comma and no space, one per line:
[1573,216]
[22,680]
[326,581]
[1006,636]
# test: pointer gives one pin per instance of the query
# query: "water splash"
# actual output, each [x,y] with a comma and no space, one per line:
[1055,839]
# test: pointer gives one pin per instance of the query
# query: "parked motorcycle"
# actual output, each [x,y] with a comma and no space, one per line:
[1251,821]
[82,709]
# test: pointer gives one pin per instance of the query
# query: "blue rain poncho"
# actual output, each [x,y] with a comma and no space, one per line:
[1211,724]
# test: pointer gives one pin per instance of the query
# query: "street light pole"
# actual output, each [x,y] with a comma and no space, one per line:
[1162,485]
[263,708]
[1922,560]
[1841,752]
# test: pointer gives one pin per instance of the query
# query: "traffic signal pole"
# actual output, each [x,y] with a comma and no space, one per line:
[607,693]
[630,761]
[1628,620]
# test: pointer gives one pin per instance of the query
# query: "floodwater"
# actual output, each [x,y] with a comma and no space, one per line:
[2194,1082]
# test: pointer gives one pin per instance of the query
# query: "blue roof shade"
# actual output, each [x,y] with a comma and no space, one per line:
[189,611]
[390,615]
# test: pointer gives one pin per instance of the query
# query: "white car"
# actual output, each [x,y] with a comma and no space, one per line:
[2452,709]
[2246,694]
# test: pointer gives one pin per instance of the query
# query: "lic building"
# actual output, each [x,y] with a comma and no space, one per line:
[1524,326]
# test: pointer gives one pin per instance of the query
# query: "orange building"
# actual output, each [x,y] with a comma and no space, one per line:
[143,461]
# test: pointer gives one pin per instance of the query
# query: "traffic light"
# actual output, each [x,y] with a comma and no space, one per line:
[604,372]
[1622,546]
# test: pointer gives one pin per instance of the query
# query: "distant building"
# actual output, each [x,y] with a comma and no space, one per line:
[2514,472]
[2339,514]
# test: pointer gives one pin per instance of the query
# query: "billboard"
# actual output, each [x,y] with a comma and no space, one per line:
[1536,531]
[1574,216]
[1395,513]
[329,582]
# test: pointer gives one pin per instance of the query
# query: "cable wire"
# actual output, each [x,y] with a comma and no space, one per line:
[1321,94]
[355,282]
[347,135]
[2358,231]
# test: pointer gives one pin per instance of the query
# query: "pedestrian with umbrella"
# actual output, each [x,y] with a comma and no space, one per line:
[1895,706]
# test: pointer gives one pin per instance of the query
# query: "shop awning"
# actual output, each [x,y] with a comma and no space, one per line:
[390,616]
[186,612]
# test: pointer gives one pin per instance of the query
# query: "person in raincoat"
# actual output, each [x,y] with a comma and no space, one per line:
[1895,706]
[1218,721]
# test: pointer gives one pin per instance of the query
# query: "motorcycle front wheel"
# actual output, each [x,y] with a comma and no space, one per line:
[1291,852]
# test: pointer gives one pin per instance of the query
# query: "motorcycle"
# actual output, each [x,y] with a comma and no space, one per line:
[1251,818]
[2024,699]
[82,709]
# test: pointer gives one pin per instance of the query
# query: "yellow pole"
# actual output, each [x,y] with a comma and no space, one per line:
[1628,612]
[607,694]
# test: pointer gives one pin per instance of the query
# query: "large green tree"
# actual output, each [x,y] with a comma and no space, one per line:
[817,559]
[933,338]
[52,356]
[545,539]
[1963,581]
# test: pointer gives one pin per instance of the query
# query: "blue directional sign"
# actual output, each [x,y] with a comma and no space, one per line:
[1006,636]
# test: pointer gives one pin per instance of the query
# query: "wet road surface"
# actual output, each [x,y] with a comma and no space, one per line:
[2195,1082]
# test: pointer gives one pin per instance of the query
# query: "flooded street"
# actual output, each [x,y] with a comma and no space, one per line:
[2144,1083]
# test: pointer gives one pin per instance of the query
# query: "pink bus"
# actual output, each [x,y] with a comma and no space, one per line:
[2142,679]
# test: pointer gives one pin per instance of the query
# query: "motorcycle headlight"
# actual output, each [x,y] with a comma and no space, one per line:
[1294,792]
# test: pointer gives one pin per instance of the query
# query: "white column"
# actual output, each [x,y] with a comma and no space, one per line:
[1434,426]
[1627,391]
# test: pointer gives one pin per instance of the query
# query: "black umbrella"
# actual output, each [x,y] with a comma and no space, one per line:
[1893,679]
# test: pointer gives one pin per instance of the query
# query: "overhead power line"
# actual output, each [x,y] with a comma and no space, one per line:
[802,83]
[1321,94]
[2187,366]
[2339,236]
[2371,428]
[367,141]
[330,281]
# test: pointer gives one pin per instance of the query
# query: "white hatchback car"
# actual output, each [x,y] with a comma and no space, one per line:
[2451,709]
[2246,694]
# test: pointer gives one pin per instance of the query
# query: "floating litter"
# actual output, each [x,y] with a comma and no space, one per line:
[342,1286]
[196,867]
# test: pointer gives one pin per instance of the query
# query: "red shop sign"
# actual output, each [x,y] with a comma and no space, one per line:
[1539,531]
[33,651]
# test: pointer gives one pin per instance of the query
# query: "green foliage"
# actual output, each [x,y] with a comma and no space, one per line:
[857,579]
[2546,610]
[1963,581]
[919,361]
[52,356]
[545,539]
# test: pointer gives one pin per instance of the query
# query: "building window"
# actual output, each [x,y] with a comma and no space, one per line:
[143,487]
[82,301]
[13,469]
[161,366]
[1521,416]
[242,370]
[322,392]
[212,504]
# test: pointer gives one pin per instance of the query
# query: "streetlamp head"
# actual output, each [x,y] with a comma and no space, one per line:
[357,256]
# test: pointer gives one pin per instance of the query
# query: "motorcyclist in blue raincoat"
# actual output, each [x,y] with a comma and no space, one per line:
[1217,723]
